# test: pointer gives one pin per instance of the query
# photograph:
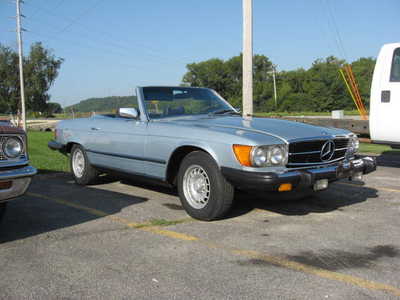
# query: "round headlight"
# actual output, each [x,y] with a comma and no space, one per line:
[259,157]
[12,148]
[277,155]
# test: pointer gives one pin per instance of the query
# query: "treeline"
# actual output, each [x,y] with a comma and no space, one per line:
[40,70]
[106,104]
[319,88]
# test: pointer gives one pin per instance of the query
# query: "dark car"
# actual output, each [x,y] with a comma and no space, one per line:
[15,171]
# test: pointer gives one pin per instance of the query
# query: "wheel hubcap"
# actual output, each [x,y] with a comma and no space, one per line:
[196,186]
[78,163]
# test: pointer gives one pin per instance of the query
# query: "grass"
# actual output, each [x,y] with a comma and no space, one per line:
[377,149]
[41,157]
[162,222]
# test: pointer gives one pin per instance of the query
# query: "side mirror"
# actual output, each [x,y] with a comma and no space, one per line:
[131,112]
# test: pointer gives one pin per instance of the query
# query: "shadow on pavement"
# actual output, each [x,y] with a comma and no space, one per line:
[389,159]
[298,203]
[30,215]
[336,197]
[150,185]
[338,259]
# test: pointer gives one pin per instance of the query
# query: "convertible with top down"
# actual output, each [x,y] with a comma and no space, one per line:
[195,140]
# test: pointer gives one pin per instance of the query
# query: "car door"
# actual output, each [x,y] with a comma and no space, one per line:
[385,96]
[118,143]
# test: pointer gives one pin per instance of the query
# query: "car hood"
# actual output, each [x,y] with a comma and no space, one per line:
[282,129]
[5,128]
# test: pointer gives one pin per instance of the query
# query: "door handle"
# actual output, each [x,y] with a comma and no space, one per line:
[95,128]
[385,97]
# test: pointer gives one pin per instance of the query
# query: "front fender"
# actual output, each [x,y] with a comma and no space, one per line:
[198,144]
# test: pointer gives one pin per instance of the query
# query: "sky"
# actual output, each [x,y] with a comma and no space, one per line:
[110,47]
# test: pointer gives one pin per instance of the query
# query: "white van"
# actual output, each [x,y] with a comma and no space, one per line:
[384,120]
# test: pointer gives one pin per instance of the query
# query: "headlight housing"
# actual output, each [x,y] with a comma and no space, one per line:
[13,147]
[354,144]
[261,156]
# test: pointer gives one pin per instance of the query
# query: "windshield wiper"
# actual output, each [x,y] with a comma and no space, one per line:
[224,112]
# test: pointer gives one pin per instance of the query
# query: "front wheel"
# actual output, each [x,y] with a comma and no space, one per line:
[204,192]
[3,207]
[82,171]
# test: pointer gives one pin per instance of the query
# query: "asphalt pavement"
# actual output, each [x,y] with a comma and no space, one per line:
[130,239]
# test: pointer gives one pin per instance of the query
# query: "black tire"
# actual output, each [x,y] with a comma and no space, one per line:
[3,207]
[88,174]
[220,192]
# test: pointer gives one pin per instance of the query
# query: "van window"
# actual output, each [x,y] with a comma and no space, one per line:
[395,72]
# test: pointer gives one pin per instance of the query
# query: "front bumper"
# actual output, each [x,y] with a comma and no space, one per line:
[269,181]
[20,179]
[53,145]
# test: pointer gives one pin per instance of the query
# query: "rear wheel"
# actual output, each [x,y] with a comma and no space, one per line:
[204,192]
[3,207]
[82,171]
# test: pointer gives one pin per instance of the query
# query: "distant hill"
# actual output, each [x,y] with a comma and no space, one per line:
[106,104]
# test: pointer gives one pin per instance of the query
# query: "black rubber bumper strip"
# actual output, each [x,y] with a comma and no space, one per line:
[270,181]
[53,145]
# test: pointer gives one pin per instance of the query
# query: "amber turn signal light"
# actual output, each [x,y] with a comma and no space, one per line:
[285,187]
[242,153]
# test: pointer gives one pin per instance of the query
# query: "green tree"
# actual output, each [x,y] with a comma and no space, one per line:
[53,108]
[319,88]
[363,70]
[9,80]
[40,70]
[106,104]
[325,86]
[226,77]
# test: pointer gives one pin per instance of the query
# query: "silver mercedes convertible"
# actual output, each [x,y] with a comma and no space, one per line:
[193,139]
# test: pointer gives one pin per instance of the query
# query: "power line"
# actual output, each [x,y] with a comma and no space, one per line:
[338,38]
[78,45]
[85,12]
[112,44]
[38,10]
[154,54]
[88,43]
[325,30]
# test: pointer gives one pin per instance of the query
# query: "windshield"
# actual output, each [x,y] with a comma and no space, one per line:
[164,102]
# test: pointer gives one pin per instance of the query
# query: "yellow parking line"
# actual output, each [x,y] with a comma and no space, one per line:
[349,279]
[99,213]
[274,260]
[378,188]
[92,211]
[169,233]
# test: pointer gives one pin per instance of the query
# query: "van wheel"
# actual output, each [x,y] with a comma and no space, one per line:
[203,190]
[82,171]
[3,207]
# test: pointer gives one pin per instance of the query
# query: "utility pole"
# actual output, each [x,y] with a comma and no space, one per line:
[273,77]
[247,58]
[21,71]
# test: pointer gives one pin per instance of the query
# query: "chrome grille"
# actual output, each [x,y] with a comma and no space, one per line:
[308,153]
[2,156]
